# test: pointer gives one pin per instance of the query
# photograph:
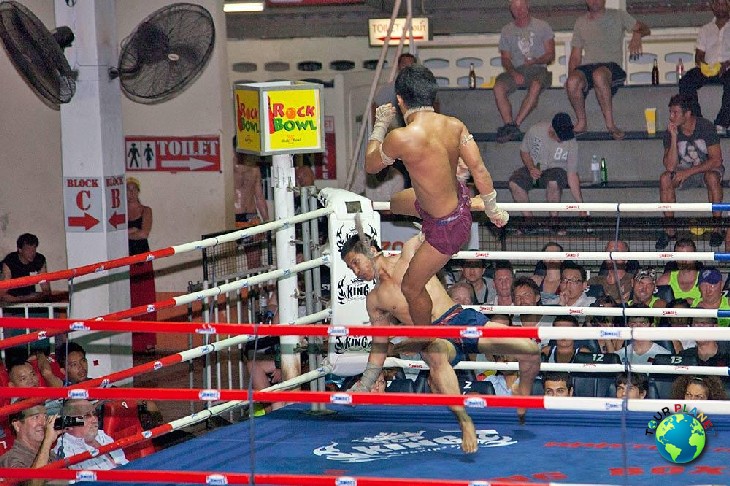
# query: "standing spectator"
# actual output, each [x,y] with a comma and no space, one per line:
[616,282]
[88,437]
[684,279]
[692,158]
[549,153]
[24,262]
[503,278]
[142,289]
[472,272]
[711,293]
[712,48]
[595,60]
[34,437]
[526,47]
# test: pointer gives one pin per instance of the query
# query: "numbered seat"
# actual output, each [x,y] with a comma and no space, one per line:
[477,388]
[664,381]
[594,384]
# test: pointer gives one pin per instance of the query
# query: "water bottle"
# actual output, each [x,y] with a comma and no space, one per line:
[472,77]
[680,69]
[604,172]
[595,170]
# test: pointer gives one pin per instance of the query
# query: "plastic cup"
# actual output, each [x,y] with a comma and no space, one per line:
[650,115]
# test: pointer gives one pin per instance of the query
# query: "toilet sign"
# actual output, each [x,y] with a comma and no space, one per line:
[172,154]
[82,201]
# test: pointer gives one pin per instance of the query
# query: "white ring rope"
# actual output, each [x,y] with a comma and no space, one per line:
[597,256]
[561,310]
[598,207]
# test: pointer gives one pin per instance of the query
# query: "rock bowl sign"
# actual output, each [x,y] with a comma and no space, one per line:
[279,117]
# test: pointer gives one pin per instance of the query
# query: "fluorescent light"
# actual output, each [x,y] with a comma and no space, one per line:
[243,7]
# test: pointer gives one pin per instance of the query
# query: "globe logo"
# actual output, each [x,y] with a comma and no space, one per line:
[680,438]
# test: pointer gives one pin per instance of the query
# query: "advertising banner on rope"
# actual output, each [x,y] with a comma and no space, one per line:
[196,153]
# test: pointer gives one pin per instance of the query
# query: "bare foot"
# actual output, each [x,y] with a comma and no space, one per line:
[580,128]
[469,442]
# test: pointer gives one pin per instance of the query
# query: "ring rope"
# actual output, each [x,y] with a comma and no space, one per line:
[705,256]
[607,207]
[719,407]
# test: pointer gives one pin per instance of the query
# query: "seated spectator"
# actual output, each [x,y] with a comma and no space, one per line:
[462,293]
[34,436]
[677,345]
[692,158]
[634,386]
[24,262]
[690,387]
[87,438]
[563,351]
[72,360]
[473,273]
[22,375]
[547,272]
[684,278]
[643,290]
[549,154]
[505,383]
[616,282]
[707,352]
[557,384]
[525,292]
[711,293]
[640,351]
[573,288]
[605,345]
[503,278]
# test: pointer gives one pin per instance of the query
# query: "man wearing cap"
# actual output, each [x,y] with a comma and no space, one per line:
[34,436]
[643,288]
[549,153]
[711,294]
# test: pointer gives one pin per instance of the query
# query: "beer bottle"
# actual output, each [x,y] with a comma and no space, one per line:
[472,77]
[655,74]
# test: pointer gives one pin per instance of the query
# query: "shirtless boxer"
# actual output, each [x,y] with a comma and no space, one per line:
[386,305]
[430,146]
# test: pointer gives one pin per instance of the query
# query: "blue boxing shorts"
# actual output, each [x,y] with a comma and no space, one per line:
[458,316]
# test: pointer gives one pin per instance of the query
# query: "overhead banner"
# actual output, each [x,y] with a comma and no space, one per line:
[378,31]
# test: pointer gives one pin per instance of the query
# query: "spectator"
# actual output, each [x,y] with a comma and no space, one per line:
[690,387]
[684,279]
[249,202]
[549,154]
[462,293]
[605,345]
[24,262]
[73,363]
[643,290]
[34,436]
[381,186]
[22,375]
[526,47]
[563,350]
[692,158]
[525,292]
[711,293]
[473,273]
[640,351]
[633,385]
[547,272]
[88,437]
[557,384]
[711,49]
[573,287]
[506,383]
[677,345]
[617,281]
[142,290]
[503,278]
[707,352]
[595,60]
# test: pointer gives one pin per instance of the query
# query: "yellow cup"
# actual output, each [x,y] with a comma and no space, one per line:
[650,115]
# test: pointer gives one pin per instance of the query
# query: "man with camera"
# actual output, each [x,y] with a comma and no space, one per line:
[84,434]
[34,435]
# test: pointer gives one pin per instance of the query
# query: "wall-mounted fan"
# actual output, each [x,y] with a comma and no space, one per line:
[166,53]
[37,53]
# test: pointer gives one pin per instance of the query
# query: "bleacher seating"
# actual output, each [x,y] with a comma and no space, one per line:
[664,381]
[400,385]
[594,384]
[120,420]
[478,388]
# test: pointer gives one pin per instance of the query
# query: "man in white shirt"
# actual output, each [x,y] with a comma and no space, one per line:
[88,437]
[712,48]
[640,351]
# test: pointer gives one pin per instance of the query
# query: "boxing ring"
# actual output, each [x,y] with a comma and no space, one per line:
[390,438]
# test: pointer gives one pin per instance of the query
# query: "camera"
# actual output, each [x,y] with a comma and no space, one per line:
[67,421]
